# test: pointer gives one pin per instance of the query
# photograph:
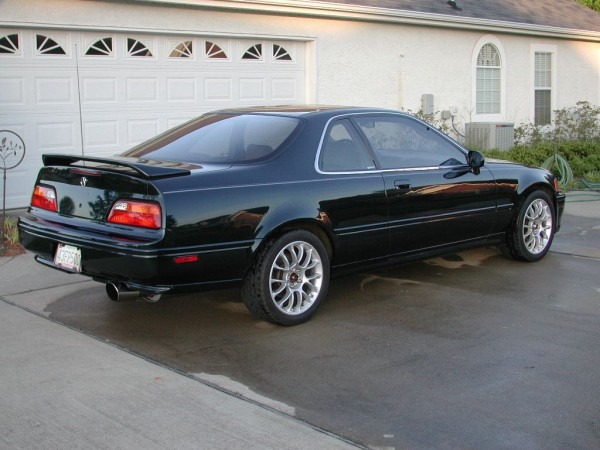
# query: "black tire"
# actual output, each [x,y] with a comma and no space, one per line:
[288,279]
[532,230]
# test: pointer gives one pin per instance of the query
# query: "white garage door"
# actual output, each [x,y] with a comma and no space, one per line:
[101,93]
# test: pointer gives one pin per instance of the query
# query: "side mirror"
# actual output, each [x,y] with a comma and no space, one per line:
[476,161]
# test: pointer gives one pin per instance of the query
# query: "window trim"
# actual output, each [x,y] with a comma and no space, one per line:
[495,117]
[553,50]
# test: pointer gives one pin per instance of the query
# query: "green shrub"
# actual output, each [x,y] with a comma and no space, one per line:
[11,231]
[574,135]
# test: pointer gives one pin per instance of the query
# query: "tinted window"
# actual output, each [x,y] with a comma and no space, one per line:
[343,149]
[220,138]
[402,142]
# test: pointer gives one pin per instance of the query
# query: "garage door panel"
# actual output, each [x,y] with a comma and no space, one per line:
[180,89]
[218,89]
[55,90]
[98,90]
[101,134]
[142,89]
[12,91]
[140,130]
[58,136]
[284,89]
[252,89]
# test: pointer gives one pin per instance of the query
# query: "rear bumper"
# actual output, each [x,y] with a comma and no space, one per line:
[143,267]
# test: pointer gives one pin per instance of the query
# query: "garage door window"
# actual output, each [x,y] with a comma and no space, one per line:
[214,51]
[184,49]
[48,46]
[137,48]
[253,53]
[9,44]
[102,47]
[280,53]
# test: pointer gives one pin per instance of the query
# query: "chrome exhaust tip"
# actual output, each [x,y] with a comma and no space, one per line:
[120,294]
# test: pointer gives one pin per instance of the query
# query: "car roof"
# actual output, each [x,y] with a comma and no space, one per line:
[302,110]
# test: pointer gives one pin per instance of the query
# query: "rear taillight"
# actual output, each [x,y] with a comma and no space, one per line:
[44,197]
[136,214]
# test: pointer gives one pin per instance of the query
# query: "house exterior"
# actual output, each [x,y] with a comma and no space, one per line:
[99,76]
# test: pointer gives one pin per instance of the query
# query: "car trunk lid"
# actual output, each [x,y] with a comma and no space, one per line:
[88,187]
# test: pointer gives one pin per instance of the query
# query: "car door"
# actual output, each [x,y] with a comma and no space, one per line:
[354,201]
[434,197]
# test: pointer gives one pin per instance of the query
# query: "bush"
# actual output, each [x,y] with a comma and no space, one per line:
[574,135]
[11,231]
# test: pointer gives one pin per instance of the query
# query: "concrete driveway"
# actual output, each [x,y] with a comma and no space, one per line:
[467,351]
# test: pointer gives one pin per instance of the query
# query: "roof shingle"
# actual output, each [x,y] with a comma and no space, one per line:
[566,14]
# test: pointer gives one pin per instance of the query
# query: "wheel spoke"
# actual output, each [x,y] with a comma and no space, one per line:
[278,290]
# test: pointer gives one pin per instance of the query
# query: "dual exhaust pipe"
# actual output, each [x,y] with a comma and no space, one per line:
[120,293]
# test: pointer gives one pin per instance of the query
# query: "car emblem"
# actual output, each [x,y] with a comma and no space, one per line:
[83,181]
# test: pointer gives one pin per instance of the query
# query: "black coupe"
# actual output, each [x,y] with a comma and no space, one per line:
[277,199]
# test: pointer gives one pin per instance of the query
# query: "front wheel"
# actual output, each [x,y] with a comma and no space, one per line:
[532,230]
[288,279]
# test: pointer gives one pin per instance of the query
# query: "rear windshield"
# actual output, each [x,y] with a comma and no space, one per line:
[220,138]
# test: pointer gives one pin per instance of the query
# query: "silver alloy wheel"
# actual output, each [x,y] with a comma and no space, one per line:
[537,226]
[296,277]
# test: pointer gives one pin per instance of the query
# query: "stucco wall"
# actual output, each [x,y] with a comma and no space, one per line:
[351,62]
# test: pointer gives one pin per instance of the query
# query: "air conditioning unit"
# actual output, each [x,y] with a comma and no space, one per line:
[489,135]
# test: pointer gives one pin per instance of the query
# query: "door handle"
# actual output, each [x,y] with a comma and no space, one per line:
[401,185]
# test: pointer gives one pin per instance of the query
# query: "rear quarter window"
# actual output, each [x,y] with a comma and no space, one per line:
[220,138]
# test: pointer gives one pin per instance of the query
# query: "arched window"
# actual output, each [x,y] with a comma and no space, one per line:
[214,51]
[184,49]
[137,48]
[48,46]
[489,80]
[102,47]
[9,44]
[254,52]
[280,53]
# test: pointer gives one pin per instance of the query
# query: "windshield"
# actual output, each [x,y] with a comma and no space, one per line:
[219,139]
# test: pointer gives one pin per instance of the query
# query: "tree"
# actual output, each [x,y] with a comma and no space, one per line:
[594,4]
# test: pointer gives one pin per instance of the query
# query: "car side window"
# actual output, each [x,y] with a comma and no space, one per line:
[343,149]
[402,142]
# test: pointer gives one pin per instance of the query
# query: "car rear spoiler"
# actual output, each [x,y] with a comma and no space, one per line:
[147,168]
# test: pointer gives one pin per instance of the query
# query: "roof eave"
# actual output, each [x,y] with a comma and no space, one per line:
[375,14]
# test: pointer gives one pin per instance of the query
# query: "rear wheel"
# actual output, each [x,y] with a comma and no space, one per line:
[288,280]
[532,230]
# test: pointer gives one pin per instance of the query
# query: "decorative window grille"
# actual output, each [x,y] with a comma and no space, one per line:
[102,47]
[137,48]
[543,88]
[214,51]
[184,49]
[253,53]
[9,44]
[488,87]
[47,46]
[280,53]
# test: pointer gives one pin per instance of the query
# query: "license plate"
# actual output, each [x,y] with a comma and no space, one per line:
[68,257]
